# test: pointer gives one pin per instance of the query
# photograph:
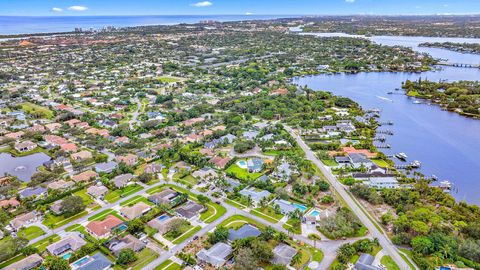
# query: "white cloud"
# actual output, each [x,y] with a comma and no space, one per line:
[57,9]
[349,1]
[248,13]
[202,4]
[77,8]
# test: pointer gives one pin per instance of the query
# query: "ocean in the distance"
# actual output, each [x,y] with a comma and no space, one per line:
[10,25]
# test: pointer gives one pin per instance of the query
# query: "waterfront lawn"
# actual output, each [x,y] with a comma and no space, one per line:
[267,213]
[214,212]
[115,195]
[135,199]
[144,257]
[242,174]
[168,265]
[294,225]
[52,221]
[389,263]
[31,232]
[37,110]
[381,163]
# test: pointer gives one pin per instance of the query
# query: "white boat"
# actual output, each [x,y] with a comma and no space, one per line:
[401,156]
[416,164]
[445,185]
[416,102]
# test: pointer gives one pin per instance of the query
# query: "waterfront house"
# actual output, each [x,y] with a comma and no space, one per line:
[217,255]
[103,228]
[30,262]
[31,192]
[25,146]
[72,241]
[382,182]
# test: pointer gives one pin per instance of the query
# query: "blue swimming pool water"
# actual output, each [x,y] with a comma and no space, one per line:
[67,256]
[445,268]
[162,217]
[122,227]
[299,206]
[314,213]
[81,261]
[242,163]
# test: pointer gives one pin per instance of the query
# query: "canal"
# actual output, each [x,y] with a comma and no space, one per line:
[447,144]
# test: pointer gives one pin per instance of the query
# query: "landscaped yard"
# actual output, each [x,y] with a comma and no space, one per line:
[381,163]
[389,263]
[34,109]
[42,244]
[182,233]
[330,162]
[135,199]
[294,225]
[31,232]
[186,235]
[168,79]
[168,265]
[102,215]
[213,212]
[242,173]
[144,257]
[86,198]
[188,180]
[237,221]
[267,213]
[115,195]
[52,221]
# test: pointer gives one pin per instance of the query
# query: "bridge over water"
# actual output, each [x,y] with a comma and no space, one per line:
[444,63]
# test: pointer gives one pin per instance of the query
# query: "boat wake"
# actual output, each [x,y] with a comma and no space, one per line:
[384,98]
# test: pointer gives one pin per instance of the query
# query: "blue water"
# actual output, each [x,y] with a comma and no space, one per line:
[446,143]
[122,227]
[314,213]
[300,207]
[24,25]
[162,217]
[67,256]
[21,167]
[81,261]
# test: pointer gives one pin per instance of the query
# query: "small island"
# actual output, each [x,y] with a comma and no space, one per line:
[462,97]
[452,46]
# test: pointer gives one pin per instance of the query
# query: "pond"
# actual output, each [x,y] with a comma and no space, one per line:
[21,167]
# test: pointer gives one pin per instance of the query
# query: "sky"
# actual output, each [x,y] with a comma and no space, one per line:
[237,7]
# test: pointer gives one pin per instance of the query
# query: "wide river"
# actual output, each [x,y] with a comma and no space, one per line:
[447,144]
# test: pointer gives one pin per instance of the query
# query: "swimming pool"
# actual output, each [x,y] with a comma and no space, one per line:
[81,261]
[122,227]
[314,213]
[67,255]
[162,217]
[301,207]
[242,164]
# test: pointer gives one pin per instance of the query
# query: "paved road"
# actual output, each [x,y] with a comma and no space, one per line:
[385,242]
[135,113]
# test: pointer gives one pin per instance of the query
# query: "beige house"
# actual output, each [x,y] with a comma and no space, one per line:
[135,211]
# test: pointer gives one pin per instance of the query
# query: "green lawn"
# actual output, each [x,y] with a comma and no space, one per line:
[42,244]
[186,235]
[135,199]
[188,180]
[31,232]
[330,162]
[52,221]
[214,212]
[389,263]
[83,194]
[235,204]
[242,173]
[381,163]
[267,213]
[102,215]
[168,265]
[165,79]
[237,221]
[115,195]
[144,257]
[293,224]
[41,111]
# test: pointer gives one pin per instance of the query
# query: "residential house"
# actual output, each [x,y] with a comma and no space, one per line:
[219,162]
[122,180]
[60,184]
[33,191]
[106,167]
[69,147]
[97,261]
[255,164]
[153,168]
[217,255]
[97,191]
[365,262]
[25,146]
[162,223]
[82,155]
[129,159]
[245,231]
[72,241]
[205,173]
[165,196]
[189,210]
[102,229]
[24,220]
[56,207]
[135,211]
[383,182]
[255,194]
[283,254]
[286,207]
[85,176]
[116,245]
[9,204]
[30,262]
